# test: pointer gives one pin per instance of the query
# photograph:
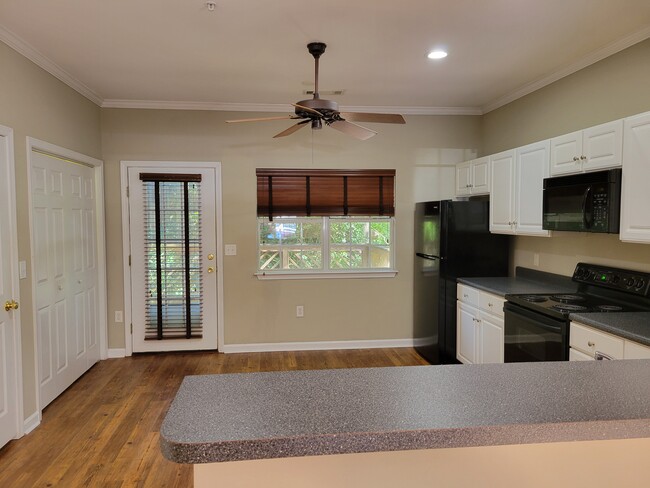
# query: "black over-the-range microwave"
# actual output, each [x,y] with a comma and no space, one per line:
[586,202]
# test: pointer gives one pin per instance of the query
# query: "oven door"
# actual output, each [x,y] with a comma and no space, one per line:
[531,336]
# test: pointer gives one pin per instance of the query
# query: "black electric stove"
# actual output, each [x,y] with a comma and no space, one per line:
[537,325]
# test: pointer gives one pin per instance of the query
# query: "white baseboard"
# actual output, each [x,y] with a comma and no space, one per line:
[31,422]
[116,353]
[316,346]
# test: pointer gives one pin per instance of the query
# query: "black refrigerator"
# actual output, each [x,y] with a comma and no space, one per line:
[452,240]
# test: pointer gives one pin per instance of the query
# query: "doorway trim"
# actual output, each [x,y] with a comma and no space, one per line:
[126,242]
[34,144]
[8,133]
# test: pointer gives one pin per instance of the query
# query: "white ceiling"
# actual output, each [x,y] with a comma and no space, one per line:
[160,53]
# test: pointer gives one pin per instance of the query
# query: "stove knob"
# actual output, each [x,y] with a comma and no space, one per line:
[616,279]
[629,281]
[639,284]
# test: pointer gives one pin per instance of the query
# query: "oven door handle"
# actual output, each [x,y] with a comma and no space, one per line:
[587,222]
[601,355]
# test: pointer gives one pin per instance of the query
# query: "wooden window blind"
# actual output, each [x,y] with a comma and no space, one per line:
[172,227]
[325,192]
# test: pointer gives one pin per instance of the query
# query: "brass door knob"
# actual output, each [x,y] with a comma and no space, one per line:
[11,305]
[210,257]
[210,269]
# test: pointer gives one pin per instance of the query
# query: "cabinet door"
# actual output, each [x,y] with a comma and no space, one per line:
[603,146]
[466,320]
[490,339]
[565,154]
[463,179]
[481,176]
[634,350]
[635,197]
[532,167]
[502,198]
[575,355]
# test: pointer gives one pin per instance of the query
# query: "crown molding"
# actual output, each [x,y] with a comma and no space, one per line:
[20,46]
[282,108]
[588,60]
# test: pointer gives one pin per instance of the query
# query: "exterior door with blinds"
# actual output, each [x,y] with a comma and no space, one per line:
[172,224]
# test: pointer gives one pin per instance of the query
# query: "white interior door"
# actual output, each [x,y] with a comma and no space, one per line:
[9,331]
[172,231]
[64,226]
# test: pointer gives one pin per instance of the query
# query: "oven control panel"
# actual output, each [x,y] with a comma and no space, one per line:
[635,282]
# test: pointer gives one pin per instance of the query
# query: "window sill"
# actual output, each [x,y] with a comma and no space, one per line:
[292,275]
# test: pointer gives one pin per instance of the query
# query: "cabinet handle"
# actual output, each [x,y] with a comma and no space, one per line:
[591,344]
[576,158]
[490,304]
[583,158]
[465,295]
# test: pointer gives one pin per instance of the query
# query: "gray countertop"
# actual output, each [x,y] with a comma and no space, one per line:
[526,280]
[302,413]
[634,326]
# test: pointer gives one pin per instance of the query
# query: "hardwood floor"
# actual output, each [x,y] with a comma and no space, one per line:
[103,430]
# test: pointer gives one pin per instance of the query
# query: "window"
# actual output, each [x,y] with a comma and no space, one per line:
[341,221]
[325,244]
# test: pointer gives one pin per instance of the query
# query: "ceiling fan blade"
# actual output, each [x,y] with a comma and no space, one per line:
[353,130]
[261,119]
[307,109]
[292,129]
[380,118]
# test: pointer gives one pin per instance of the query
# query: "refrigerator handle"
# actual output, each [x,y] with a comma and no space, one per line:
[428,256]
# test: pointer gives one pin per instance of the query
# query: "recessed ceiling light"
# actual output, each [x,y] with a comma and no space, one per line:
[437,54]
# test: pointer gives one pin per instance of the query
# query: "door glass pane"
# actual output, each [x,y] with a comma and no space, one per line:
[172,227]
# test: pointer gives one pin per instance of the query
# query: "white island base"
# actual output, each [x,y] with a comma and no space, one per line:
[603,463]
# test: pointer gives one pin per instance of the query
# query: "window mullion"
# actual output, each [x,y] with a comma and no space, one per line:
[326,244]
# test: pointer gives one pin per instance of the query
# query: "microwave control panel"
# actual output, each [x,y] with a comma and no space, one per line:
[600,209]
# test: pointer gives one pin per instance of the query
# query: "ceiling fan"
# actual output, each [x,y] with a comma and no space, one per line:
[317,111]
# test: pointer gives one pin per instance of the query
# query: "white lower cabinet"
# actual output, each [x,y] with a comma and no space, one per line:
[587,342]
[479,322]
[466,320]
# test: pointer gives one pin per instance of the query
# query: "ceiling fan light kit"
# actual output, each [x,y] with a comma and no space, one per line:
[318,110]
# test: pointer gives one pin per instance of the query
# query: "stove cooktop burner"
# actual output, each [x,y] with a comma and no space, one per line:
[534,298]
[569,308]
[567,298]
[609,308]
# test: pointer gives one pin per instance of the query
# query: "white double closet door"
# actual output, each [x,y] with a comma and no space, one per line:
[65,271]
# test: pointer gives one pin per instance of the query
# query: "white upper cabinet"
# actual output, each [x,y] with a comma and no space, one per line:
[473,177]
[517,186]
[502,198]
[592,149]
[635,197]
[464,179]
[531,169]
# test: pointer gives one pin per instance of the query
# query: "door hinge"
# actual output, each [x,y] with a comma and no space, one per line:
[129,260]
[127,192]
[131,329]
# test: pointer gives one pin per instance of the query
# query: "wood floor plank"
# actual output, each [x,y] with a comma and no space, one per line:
[104,430]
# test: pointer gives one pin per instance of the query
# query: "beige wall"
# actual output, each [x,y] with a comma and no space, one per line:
[34,103]
[614,88]
[264,311]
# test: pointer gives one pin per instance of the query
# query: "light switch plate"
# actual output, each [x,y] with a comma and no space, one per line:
[231,249]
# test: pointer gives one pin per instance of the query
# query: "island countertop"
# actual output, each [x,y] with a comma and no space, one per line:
[231,417]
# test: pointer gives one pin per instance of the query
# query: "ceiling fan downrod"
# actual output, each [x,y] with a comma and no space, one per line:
[316,49]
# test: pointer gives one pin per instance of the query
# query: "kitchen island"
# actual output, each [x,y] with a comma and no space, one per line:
[341,427]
